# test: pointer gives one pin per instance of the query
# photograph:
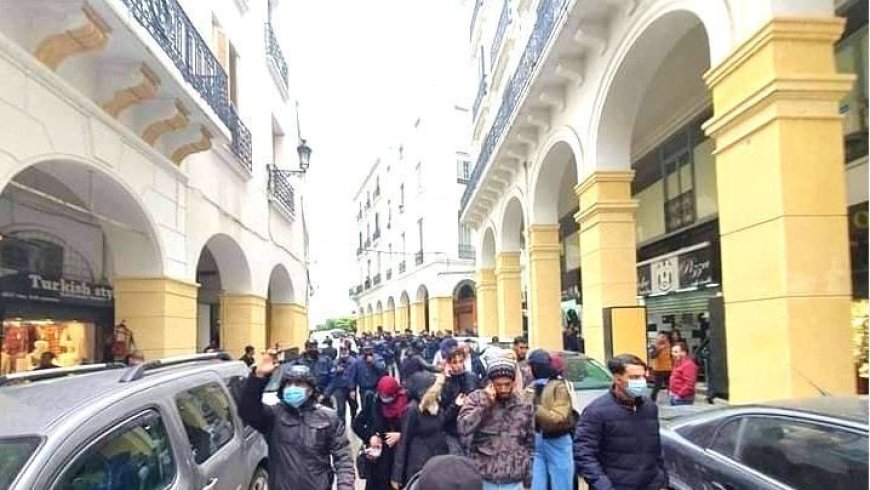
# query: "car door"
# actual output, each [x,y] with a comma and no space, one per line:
[722,469]
[136,452]
[213,433]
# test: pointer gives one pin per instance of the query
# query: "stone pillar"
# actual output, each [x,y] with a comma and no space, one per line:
[288,325]
[545,288]
[782,211]
[243,322]
[608,254]
[389,320]
[487,303]
[161,313]
[418,316]
[441,314]
[378,321]
[402,317]
[509,295]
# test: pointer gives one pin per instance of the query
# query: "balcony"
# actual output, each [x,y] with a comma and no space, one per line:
[173,31]
[466,251]
[376,280]
[548,13]
[368,283]
[376,235]
[368,243]
[389,274]
[477,5]
[478,100]
[418,258]
[402,267]
[281,191]
[504,21]
[276,58]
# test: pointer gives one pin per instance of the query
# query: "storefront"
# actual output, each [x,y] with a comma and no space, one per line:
[69,318]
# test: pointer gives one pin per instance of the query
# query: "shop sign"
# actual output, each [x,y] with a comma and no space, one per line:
[666,275]
[23,286]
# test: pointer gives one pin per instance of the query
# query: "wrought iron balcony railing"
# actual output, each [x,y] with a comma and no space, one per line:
[503,21]
[389,274]
[169,25]
[358,251]
[281,190]
[477,5]
[478,100]
[275,55]
[368,243]
[548,13]
[466,251]
[402,267]
[368,283]
[418,257]
[376,280]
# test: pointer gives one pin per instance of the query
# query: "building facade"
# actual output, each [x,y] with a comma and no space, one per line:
[415,261]
[141,204]
[690,165]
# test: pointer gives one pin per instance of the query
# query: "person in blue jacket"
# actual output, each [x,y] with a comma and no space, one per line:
[341,386]
[320,366]
[617,444]
[366,372]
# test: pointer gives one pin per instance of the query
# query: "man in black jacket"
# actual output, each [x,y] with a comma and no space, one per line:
[414,363]
[308,445]
[457,386]
[617,444]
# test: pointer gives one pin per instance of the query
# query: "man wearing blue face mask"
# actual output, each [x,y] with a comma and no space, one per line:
[308,445]
[617,444]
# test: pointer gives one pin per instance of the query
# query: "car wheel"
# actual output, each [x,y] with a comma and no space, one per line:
[260,481]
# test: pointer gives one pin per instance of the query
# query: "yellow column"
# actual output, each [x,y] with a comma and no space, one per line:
[378,321]
[360,323]
[418,316]
[402,318]
[161,312]
[782,211]
[608,255]
[487,303]
[367,323]
[389,320]
[509,295]
[288,325]
[545,288]
[243,322]
[441,314]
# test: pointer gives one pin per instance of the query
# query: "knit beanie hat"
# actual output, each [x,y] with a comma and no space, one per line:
[501,368]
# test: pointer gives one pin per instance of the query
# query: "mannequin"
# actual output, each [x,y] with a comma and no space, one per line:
[39,347]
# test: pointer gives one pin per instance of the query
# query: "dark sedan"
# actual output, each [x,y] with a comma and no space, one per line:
[818,443]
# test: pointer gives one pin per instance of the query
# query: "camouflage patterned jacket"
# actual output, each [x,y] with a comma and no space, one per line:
[502,436]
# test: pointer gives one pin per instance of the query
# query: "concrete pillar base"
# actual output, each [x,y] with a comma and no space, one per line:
[161,312]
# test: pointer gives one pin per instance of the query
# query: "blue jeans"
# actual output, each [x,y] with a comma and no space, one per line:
[502,486]
[676,401]
[553,460]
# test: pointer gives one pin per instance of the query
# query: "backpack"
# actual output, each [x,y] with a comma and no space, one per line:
[534,394]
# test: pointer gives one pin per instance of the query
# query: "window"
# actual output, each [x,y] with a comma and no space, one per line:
[463,171]
[404,250]
[401,198]
[805,455]
[136,455]
[360,240]
[14,454]
[205,412]
[418,171]
[679,178]
[725,440]
[389,214]
[852,56]
[420,232]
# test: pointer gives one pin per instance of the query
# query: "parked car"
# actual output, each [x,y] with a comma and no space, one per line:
[818,443]
[589,378]
[170,423]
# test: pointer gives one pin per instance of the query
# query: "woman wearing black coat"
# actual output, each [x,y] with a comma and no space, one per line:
[379,426]
[423,435]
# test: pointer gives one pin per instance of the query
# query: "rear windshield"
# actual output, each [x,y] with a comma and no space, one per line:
[587,374]
[14,453]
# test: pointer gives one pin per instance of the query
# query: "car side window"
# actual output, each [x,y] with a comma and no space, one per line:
[805,455]
[205,411]
[138,454]
[725,440]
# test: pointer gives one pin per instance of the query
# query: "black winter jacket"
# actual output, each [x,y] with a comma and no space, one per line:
[422,439]
[369,422]
[616,448]
[301,442]
[465,384]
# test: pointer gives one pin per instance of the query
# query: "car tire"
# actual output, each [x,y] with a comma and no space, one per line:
[260,480]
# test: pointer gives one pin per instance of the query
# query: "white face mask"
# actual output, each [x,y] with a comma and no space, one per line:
[374,453]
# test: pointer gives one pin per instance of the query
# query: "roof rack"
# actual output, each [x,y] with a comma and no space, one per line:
[60,372]
[136,372]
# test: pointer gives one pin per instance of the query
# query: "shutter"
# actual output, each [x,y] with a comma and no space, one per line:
[221,45]
[692,303]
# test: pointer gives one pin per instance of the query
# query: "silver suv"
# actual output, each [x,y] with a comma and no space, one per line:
[165,424]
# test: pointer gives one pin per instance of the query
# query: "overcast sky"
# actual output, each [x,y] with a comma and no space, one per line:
[358,68]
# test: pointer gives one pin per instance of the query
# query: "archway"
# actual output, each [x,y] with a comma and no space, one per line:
[420,313]
[390,315]
[370,319]
[464,311]
[510,264]
[379,317]
[282,330]
[404,315]
[70,237]
[224,277]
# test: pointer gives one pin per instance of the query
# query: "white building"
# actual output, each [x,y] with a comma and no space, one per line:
[134,148]
[690,165]
[415,261]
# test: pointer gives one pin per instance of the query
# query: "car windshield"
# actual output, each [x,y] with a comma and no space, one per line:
[14,453]
[587,374]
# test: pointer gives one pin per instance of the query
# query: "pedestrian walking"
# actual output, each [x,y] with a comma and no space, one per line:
[458,384]
[681,388]
[414,362]
[447,473]
[422,433]
[329,351]
[248,356]
[662,364]
[521,349]
[308,445]
[379,426]
[617,444]
[340,386]
[320,366]
[500,425]
[365,373]
[552,465]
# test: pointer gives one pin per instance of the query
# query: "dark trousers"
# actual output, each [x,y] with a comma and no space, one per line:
[341,401]
[661,381]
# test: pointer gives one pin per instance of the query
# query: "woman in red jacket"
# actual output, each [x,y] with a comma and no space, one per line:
[681,389]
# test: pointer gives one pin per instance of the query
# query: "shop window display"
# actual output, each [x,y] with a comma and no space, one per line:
[24,342]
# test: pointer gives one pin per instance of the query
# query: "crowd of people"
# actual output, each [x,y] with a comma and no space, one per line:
[494,418]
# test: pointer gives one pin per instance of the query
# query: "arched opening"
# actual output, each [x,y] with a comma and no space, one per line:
[379,317]
[390,315]
[487,250]
[370,320]
[464,312]
[279,318]
[222,270]
[510,273]
[68,234]
[422,306]
[404,314]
